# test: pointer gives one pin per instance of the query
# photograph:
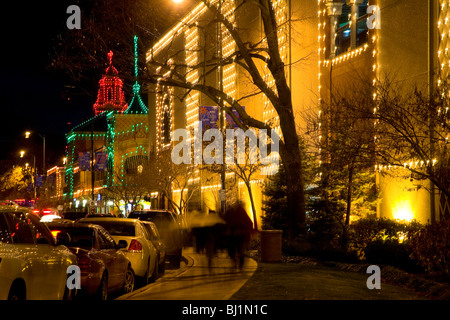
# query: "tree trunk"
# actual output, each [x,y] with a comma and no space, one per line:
[349,195]
[292,160]
[344,240]
[249,188]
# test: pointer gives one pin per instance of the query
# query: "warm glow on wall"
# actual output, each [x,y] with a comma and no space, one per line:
[402,210]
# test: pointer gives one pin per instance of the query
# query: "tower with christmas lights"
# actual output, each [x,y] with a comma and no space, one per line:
[110,94]
[110,147]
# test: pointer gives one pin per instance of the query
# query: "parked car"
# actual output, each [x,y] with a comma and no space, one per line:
[139,249]
[100,215]
[158,243]
[50,218]
[170,229]
[32,265]
[104,268]
[45,211]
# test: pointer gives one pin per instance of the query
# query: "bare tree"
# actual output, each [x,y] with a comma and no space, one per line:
[167,178]
[250,57]
[130,189]
[108,22]
[347,158]
[413,131]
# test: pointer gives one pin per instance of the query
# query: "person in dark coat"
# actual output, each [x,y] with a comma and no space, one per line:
[240,229]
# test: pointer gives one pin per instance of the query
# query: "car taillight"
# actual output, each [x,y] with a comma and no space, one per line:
[46,212]
[83,262]
[55,233]
[135,245]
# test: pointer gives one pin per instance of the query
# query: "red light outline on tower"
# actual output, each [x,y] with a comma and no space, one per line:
[110,95]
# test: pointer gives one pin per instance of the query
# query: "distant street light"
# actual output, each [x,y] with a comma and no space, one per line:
[27,135]
[33,179]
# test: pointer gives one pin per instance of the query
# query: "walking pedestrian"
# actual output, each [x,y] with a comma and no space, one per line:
[240,229]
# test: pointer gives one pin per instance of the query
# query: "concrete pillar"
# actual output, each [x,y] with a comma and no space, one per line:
[334,10]
[353,22]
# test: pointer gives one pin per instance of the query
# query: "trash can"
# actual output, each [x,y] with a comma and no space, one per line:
[271,245]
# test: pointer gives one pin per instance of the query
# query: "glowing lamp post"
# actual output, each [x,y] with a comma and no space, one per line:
[27,136]
[22,154]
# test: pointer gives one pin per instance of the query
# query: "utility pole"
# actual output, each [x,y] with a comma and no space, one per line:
[92,156]
[221,110]
[432,9]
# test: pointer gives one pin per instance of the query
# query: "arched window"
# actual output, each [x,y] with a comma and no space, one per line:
[109,94]
[136,164]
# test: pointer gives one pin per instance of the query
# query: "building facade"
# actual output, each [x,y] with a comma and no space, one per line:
[197,43]
[331,48]
[363,44]
[105,150]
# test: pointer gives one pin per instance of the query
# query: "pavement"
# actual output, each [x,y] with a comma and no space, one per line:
[268,281]
[195,281]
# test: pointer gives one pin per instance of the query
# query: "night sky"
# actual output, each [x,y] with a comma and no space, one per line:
[30,92]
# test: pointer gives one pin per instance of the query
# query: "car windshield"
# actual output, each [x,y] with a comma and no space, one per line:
[79,237]
[73,215]
[117,228]
[157,217]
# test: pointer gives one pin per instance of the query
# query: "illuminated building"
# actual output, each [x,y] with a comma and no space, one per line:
[326,45]
[407,41]
[110,95]
[55,181]
[194,42]
[117,136]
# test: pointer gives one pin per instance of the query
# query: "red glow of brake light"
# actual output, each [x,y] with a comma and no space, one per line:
[36,211]
[46,212]
[83,262]
[135,245]
[55,233]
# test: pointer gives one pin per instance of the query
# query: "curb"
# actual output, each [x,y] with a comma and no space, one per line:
[187,260]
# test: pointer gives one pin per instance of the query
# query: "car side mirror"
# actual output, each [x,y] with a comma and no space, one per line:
[122,244]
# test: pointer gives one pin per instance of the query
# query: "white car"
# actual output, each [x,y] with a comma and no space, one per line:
[50,218]
[32,265]
[140,250]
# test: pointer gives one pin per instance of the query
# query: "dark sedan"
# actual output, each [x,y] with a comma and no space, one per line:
[104,268]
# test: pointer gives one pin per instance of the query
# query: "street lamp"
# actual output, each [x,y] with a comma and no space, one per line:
[27,135]
[33,179]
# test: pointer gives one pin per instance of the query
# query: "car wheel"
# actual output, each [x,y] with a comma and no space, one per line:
[176,260]
[102,292]
[128,285]
[146,279]
[17,292]
[155,272]
[162,267]
[70,294]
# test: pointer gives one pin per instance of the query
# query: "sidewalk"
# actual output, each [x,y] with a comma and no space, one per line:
[310,279]
[195,281]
